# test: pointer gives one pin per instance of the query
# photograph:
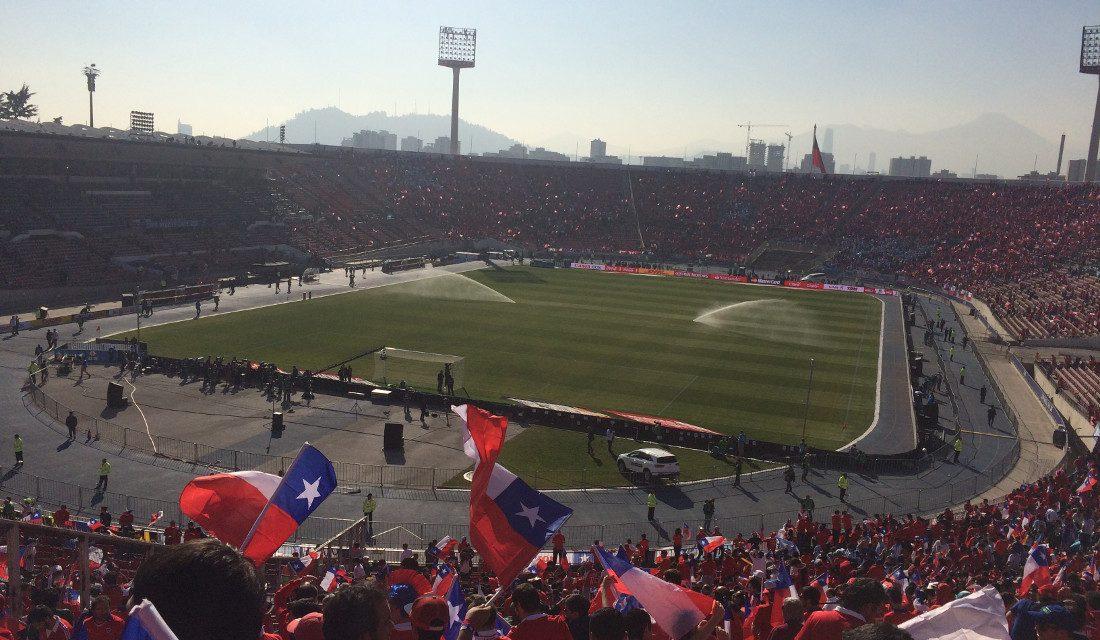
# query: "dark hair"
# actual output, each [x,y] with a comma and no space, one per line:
[606,624]
[41,613]
[636,622]
[673,575]
[302,606]
[577,604]
[1093,598]
[306,590]
[352,612]
[204,589]
[527,597]
[861,592]
[877,631]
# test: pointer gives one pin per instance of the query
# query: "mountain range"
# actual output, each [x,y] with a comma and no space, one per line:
[1001,145]
[331,125]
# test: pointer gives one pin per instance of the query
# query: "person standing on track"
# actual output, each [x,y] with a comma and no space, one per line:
[958,448]
[737,472]
[651,505]
[70,424]
[18,442]
[369,505]
[842,485]
[104,474]
[609,435]
[788,477]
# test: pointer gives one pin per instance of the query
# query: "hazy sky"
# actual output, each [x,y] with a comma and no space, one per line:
[654,75]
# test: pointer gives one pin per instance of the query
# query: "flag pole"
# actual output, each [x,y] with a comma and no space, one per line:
[263,512]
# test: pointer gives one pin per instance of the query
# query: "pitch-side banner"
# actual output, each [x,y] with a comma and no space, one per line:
[790,284]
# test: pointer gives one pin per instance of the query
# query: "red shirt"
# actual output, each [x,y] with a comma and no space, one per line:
[829,625]
[559,541]
[109,629]
[540,626]
[57,629]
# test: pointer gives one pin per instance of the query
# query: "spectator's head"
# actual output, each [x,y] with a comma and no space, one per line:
[811,598]
[38,619]
[575,606]
[358,612]
[673,575]
[637,624]
[101,608]
[877,631]
[430,615]
[1055,622]
[525,598]
[606,624]
[309,626]
[203,589]
[792,611]
[864,596]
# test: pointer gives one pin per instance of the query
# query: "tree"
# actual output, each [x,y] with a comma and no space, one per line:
[17,104]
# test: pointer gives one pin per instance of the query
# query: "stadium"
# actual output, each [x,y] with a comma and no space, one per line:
[859,379]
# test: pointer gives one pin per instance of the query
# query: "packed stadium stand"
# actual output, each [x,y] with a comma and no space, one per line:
[132,209]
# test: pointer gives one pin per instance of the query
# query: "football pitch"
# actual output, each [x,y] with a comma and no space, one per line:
[723,356]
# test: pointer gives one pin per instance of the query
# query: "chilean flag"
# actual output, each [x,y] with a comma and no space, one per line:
[1088,484]
[784,588]
[303,562]
[445,546]
[676,610]
[509,521]
[709,543]
[1036,570]
[145,623]
[333,578]
[257,511]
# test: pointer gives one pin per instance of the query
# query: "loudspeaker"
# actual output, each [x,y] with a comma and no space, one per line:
[276,424]
[115,398]
[393,436]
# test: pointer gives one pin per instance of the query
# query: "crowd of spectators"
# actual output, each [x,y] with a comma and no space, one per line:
[847,571]
[1029,248]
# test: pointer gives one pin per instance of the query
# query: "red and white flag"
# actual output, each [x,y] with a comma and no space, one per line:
[818,161]
[1036,570]
[509,521]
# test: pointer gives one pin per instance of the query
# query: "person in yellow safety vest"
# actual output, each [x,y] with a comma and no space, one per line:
[651,502]
[842,484]
[369,505]
[104,472]
[18,450]
[958,448]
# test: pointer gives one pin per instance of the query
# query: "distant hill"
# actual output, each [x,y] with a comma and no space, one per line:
[1004,147]
[332,125]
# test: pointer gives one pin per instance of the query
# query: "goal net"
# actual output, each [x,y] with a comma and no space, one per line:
[419,369]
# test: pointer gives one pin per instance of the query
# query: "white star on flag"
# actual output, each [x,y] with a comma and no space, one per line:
[309,492]
[531,513]
[455,610]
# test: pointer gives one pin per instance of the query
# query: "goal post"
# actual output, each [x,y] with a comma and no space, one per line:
[419,369]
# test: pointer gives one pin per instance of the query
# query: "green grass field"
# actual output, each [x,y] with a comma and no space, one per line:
[597,340]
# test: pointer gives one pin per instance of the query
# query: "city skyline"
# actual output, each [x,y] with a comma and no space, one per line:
[642,76]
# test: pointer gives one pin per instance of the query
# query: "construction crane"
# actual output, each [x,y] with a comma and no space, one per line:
[748,126]
[787,156]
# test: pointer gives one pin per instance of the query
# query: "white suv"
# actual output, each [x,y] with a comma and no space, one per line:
[650,462]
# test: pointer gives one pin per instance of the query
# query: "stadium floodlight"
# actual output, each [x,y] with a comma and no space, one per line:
[90,72]
[1090,64]
[457,50]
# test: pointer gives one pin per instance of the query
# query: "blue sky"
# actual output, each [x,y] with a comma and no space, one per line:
[650,75]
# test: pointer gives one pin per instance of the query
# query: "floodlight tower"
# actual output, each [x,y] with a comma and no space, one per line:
[91,72]
[1090,64]
[456,50]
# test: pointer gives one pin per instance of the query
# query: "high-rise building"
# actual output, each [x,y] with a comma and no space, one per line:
[1076,170]
[775,158]
[372,140]
[184,129]
[757,154]
[412,143]
[827,143]
[722,160]
[911,167]
[871,162]
[442,144]
[597,149]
